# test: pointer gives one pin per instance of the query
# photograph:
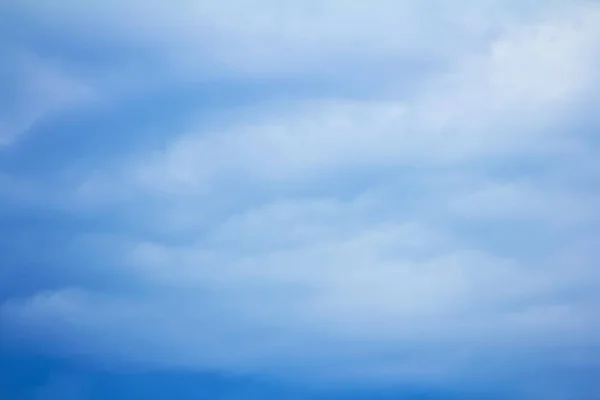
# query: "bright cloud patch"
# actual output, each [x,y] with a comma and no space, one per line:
[336,224]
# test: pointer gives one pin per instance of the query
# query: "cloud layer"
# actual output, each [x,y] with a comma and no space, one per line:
[409,195]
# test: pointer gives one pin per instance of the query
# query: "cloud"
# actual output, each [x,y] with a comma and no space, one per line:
[35,89]
[264,35]
[267,37]
[439,234]
[504,100]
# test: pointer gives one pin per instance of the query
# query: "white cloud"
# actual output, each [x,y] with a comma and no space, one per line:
[387,288]
[313,279]
[270,37]
[507,100]
[520,201]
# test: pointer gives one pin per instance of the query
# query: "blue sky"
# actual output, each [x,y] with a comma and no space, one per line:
[299,199]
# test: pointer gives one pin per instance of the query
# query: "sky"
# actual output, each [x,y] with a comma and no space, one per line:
[317,199]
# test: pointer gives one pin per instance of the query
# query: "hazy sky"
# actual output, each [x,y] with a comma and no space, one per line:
[317,199]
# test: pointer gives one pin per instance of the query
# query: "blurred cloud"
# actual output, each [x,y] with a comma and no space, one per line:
[34,89]
[439,234]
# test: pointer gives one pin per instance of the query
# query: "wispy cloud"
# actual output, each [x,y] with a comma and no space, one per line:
[439,232]
[34,89]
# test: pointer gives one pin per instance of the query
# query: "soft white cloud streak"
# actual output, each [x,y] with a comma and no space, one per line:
[36,88]
[270,37]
